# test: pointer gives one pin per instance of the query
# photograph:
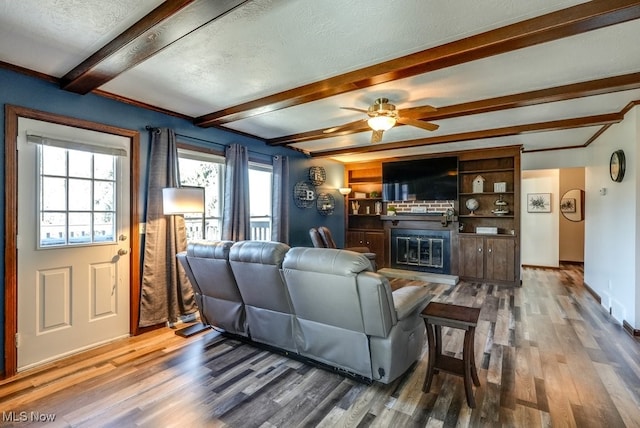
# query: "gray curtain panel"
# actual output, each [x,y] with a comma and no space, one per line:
[166,292]
[236,220]
[280,203]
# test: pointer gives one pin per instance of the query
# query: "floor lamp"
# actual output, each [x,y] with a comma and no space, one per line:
[181,201]
[344,191]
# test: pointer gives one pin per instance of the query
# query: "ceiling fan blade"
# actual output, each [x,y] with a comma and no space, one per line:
[418,123]
[416,112]
[359,110]
[376,136]
[346,127]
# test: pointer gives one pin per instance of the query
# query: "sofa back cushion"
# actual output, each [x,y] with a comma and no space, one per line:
[256,266]
[220,302]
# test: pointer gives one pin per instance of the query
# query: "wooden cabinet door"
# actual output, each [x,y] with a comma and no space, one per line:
[471,257]
[501,256]
[375,242]
[355,239]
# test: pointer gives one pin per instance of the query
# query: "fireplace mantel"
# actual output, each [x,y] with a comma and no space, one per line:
[412,217]
[418,221]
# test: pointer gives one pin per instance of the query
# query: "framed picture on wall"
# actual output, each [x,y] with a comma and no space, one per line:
[539,202]
[568,205]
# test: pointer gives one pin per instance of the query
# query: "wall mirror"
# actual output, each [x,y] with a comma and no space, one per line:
[572,205]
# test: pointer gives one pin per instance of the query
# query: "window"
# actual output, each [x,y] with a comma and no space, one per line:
[207,170]
[260,177]
[203,170]
[77,197]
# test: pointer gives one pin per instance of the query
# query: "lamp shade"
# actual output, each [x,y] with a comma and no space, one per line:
[381,123]
[182,200]
[344,190]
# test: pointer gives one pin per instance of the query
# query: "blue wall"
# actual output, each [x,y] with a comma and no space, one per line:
[30,92]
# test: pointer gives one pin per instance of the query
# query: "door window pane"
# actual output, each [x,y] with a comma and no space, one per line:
[104,196]
[104,167]
[79,195]
[53,229]
[54,161]
[54,193]
[79,228]
[104,227]
[80,163]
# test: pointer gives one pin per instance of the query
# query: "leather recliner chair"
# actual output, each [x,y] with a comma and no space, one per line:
[256,266]
[219,301]
[322,238]
[348,317]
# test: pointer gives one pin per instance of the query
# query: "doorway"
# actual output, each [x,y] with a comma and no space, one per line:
[65,205]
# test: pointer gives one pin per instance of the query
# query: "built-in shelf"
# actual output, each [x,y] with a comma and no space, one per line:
[485,216]
[367,180]
[485,171]
[474,256]
[486,193]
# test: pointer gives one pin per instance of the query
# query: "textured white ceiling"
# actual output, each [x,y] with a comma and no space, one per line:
[268,46]
[53,36]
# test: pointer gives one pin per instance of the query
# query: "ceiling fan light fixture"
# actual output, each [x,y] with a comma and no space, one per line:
[381,123]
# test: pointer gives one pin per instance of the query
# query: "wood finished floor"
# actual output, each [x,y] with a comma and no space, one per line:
[547,355]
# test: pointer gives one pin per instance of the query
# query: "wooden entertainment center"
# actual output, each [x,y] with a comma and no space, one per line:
[484,244]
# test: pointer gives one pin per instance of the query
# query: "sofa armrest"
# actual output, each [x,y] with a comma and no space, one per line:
[409,300]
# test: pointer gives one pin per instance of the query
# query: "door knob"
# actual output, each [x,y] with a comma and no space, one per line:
[123,252]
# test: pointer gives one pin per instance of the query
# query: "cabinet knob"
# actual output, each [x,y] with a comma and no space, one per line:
[489,249]
[480,249]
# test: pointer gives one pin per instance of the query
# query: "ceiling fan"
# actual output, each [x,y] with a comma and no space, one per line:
[384,116]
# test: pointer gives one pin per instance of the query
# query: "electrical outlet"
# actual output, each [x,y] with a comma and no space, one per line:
[143,228]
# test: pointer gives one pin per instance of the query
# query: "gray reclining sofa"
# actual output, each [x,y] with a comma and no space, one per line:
[323,304]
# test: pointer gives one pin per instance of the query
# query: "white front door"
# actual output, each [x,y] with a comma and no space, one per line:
[73,248]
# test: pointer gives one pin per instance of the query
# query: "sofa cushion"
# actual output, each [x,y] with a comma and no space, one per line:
[265,252]
[209,249]
[326,260]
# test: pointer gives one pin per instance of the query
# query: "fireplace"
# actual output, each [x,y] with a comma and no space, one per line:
[421,250]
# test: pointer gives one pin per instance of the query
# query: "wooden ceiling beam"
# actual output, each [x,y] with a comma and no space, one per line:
[165,25]
[567,22]
[606,85]
[555,125]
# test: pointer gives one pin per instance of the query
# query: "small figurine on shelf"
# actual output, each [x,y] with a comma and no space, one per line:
[355,206]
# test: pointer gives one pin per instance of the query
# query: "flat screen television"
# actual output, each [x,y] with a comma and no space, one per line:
[432,179]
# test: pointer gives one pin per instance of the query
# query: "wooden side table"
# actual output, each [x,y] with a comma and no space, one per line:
[437,315]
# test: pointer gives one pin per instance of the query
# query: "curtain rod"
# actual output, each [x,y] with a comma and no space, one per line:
[224,146]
